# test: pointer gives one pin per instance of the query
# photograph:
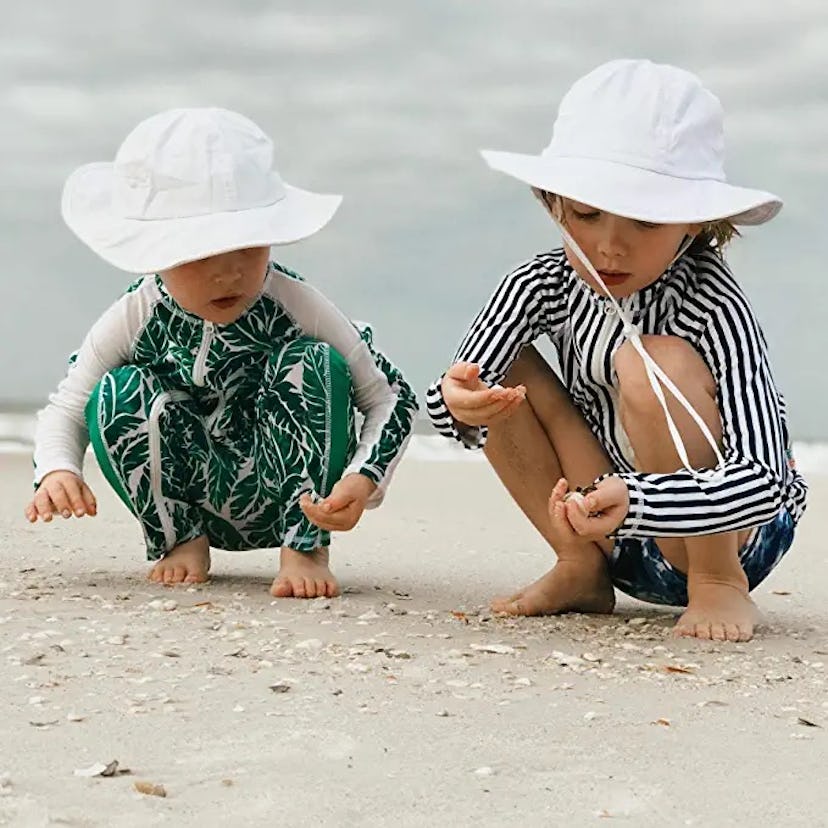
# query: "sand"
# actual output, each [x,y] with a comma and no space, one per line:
[402,703]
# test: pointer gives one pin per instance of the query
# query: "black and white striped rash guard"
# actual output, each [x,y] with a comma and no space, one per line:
[697,299]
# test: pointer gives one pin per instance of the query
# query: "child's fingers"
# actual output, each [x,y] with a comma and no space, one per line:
[561,526]
[338,524]
[90,500]
[480,406]
[585,524]
[471,399]
[31,512]
[339,498]
[339,521]
[558,492]
[331,521]
[43,504]
[464,372]
[74,494]
[310,509]
[60,498]
[345,518]
[485,413]
[601,524]
[508,410]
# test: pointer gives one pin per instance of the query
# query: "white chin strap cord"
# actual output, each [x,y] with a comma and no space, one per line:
[656,376]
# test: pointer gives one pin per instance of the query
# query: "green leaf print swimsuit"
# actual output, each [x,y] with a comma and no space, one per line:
[218,429]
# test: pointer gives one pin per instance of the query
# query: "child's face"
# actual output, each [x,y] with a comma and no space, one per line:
[628,254]
[220,288]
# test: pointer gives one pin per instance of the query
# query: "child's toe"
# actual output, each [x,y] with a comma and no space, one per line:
[281,588]
[719,632]
[731,632]
[704,630]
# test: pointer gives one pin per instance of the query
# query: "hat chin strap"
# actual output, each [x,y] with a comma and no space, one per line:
[656,376]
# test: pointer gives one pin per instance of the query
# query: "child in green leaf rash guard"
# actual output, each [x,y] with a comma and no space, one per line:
[219,392]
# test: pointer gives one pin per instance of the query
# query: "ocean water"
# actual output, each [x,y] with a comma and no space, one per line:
[389,103]
[17,433]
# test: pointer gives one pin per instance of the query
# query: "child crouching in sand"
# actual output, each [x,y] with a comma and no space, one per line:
[666,412]
[218,392]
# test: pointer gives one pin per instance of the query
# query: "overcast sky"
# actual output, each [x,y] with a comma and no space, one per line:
[389,103]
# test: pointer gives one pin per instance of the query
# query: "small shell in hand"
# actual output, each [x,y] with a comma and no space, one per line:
[576,496]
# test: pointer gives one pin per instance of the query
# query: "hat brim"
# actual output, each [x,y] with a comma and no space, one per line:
[150,246]
[637,193]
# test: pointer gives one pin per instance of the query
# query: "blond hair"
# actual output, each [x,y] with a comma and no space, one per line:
[716,234]
[713,234]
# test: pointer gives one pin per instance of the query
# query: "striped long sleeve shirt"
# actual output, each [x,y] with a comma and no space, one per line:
[698,300]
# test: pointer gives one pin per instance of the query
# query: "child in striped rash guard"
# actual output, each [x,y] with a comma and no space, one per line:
[663,417]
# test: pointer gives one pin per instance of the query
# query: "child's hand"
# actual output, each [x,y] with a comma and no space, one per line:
[602,511]
[562,534]
[343,507]
[61,493]
[471,402]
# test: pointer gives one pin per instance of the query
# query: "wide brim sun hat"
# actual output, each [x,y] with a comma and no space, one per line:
[644,141]
[187,184]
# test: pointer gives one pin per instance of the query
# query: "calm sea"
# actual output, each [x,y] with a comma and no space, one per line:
[388,103]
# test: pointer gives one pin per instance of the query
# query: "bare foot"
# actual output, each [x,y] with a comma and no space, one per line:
[718,610]
[188,563]
[572,585]
[304,575]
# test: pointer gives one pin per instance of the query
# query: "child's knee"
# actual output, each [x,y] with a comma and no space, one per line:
[323,353]
[126,389]
[528,367]
[324,371]
[676,357]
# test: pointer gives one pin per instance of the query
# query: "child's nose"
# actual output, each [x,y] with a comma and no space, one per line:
[612,241]
[227,277]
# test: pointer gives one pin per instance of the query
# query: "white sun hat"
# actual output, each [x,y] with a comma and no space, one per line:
[187,184]
[644,141]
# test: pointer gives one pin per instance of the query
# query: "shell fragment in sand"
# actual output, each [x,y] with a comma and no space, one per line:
[498,649]
[150,789]
[100,769]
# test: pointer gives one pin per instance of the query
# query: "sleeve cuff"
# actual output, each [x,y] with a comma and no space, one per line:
[628,528]
[42,471]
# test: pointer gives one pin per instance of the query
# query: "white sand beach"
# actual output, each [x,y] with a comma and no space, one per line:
[404,702]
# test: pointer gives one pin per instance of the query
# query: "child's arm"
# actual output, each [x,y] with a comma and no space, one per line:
[61,436]
[381,392]
[529,302]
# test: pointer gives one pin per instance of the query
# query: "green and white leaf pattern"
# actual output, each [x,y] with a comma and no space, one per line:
[237,450]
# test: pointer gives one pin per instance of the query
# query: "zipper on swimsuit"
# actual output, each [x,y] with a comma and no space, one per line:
[200,364]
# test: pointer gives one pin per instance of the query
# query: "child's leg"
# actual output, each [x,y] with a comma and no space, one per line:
[719,606]
[139,450]
[546,439]
[306,437]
